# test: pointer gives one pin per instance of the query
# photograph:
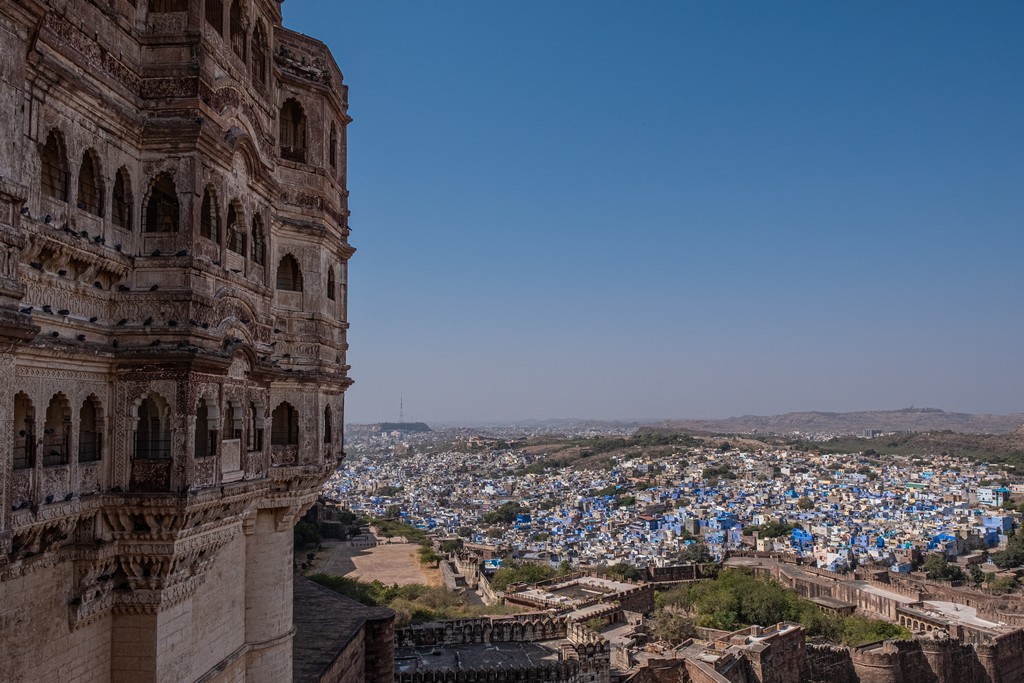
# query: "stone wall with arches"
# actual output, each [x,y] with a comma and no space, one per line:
[146,199]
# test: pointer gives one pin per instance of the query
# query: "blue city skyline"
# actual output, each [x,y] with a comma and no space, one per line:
[672,209]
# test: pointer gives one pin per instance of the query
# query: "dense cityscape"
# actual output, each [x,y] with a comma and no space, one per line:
[836,511]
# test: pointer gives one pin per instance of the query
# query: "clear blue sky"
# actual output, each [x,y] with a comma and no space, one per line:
[569,208]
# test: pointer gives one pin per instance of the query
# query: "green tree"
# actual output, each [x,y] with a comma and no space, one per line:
[520,572]
[673,627]
[623,570]
[769,604]
[305,534]
[451,546]
[975,575]
[695,552]
[861,630]
[805,503]
[1013,556]
[504,514]
[390,527]
[429,556]
[938,568]
[821,624]
[346,516]
[1004,583]
[771,529]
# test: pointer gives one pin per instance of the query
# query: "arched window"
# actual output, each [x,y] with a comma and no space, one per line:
[162,207]
[232,420]
[90,185]
[289,275]
[209,220]
[259,55]
[255,442]
[284,427]
[122,200]
[293,131]
[54,167]
[236,230]
[90,435]
[206,438]
[259,245]
[163,6]
[152,435]
[57,431]
[332,154]
[328,436]
[237,34]
[215,14]
[330,284]
[24,432]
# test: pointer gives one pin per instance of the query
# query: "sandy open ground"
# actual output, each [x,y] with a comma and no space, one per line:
[394,563]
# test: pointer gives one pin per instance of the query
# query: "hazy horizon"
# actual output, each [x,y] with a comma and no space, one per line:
[696,210]
[447,422]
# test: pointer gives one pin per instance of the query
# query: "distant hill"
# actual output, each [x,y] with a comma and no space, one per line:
[905,420]
[403,427]
[992,448]
[408,427]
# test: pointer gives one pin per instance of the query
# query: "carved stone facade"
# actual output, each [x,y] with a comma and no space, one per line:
[173,302]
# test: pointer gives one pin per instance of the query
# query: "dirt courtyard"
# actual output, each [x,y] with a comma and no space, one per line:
[394,563]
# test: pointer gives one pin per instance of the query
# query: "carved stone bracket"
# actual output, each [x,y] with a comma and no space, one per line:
[44,538]
[143,577]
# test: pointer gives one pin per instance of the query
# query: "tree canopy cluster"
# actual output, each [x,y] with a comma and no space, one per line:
[504,514]
[305,534]
[713,474]
[771,529]
[1013,556]
[620,570]
[736,598]
[392,527]
[525,572]
[645,439]
[938,568]
[412,603]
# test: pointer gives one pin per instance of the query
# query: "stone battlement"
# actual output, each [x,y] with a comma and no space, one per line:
[517,628]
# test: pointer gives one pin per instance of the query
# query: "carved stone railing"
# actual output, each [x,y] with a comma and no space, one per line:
[231,460]
[284,455]
[289,300]
[204,472]
[21,488]
[254,467]
[56,485]
[151,476]
[90,478]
